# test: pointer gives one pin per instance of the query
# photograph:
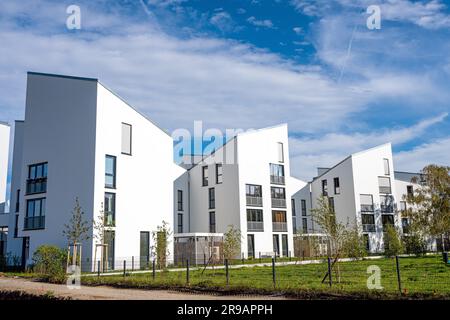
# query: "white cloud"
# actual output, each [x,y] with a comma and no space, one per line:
[266,23]
[298,30]
[223,21]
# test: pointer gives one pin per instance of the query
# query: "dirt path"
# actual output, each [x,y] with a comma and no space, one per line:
[108,293]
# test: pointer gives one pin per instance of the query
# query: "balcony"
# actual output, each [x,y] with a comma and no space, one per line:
[368,228]
[386,190]
[276,179]
[254,201]
[33,223]
[367,208]
[279,226]
[278,203]
[255,226]
[36,185]
[386,208]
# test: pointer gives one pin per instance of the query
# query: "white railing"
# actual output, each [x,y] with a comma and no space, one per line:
[278,203]
[255,226]
[279,226]
[254,201]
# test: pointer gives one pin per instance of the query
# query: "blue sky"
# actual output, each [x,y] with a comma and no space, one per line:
[249,64]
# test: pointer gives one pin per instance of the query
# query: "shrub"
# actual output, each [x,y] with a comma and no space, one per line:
[392,244]
[353,244]
[415,244]
[49,262]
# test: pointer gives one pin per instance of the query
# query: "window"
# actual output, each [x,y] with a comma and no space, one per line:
[205,176]
[276,244]
[180,223]
[366,201]
[212,198]
[35,215]
[305,225]
[331,203]
[276,173]
[387,204]
[386,167]
[219,173]
[255,220]
[303,207]
[402,206]
[110,209]
[293,207]
[367,242]
[368,222]
[16,226]
[110,172]
[126,138]
[284,244]
[180,200]
[324,188]
[251,245]
[384,184]
[405,225]
[280,152]
[37,178]
[254,195]
[409,191]
[279,222]
[387,219]
[212,222]
[278,197]
[294,225]
[337,187]
[17,200]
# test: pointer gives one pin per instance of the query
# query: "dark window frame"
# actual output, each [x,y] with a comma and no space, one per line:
[212,222]
[114,171]
[33,179]
[303,205]
[212,198]
[205,178]
[337,186]
[180,223]
[41,216]
[219,165]
[180,200]
[112,212]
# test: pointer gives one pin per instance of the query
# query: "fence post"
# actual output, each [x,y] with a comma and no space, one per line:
[187,271]
[98,268]
[204,259]
[124,267]
[154,271]
[329,272]
[273,273]
[243,258]
[260,257]
[399,279]
[226,271]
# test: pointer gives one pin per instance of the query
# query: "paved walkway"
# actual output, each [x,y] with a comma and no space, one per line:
[109,293]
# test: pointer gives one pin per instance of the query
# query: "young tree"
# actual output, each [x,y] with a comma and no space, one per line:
[353,245]
[100,228]
[325,217]
[77,230]
[392,243]
[160,250]
[232,243]
[430,212]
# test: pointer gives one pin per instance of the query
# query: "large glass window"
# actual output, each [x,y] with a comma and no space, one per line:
[204,176]
[126,138]
[303,207]
[386,166]
[212,222]
[278,197]
[255,220]
[305,225]
[279,222]
[384,184]
[366,201]
[37,178]
[110,171]
[212,198]
[35,214]
[324,188]
[337,187]
[276,173]
[219,173]
[293,207]
[180,223]
[180,200]
[368,222]
[280,152]
[110,209]
[387,204]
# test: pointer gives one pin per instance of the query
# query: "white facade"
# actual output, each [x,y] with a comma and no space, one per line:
[71,125]
[246,160]
[363,189]
[4,153]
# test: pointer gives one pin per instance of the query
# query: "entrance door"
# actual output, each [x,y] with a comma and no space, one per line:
[144,250]
[276,245]
[251,245]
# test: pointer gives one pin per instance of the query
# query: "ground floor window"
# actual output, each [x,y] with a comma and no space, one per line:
[251,245]
[276,244]
[284,242]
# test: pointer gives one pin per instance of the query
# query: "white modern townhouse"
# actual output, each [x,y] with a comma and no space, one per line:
[364,190]
[4,152]
[245,184]
[80,140]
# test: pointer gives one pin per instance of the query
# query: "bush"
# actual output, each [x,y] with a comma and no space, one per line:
[353,245]
[415,244]
[392,244]
[49,262]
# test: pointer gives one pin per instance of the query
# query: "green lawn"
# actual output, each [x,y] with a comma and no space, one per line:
[422,275]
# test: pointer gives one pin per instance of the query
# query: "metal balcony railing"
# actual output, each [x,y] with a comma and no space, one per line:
[278,203]
[36,185]
[368,228]
[254,201]
[276,179]
[255,226]
[279,226]
[367,208]
[32,223]
[386,190]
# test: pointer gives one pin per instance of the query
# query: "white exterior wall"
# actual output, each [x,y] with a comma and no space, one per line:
[144,179]
[303,194]
[4,153]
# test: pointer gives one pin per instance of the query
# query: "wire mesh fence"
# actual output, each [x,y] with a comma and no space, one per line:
[406,275]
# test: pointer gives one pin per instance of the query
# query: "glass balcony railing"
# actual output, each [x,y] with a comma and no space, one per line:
[278,203]
[254,201]
[276,179]
[255,226]
[279,226]
[32,223]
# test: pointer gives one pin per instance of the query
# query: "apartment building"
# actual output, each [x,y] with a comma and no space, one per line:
[363,189]
[247,184]
[81,140]
[4,152]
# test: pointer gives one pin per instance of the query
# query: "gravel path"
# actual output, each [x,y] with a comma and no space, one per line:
[108,293]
